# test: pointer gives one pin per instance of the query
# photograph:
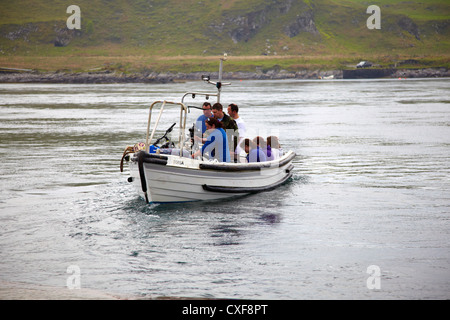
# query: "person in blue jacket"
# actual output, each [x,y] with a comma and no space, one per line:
[254,152]
[207,113]
[216,145]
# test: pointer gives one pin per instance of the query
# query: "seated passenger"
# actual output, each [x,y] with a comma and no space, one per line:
[261,144]
[254,153]
[274,150]
[216,144]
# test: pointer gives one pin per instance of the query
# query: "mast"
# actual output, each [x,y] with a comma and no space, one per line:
[219,82]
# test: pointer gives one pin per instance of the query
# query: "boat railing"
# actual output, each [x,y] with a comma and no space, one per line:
[195,94]
[183,116]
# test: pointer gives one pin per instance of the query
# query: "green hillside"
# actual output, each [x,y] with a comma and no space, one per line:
[154,34]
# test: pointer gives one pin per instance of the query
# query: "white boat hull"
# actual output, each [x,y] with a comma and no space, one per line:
[168,178]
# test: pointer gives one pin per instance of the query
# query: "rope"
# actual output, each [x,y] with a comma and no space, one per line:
[128,150]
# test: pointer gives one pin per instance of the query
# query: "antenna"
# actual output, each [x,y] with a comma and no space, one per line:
[219,83]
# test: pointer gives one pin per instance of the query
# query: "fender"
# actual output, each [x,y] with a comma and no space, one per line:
[141,157]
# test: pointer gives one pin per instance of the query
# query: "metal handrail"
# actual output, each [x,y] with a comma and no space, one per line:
[193,94]
[182,122]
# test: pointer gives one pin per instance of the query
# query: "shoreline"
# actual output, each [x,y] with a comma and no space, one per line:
[111,77]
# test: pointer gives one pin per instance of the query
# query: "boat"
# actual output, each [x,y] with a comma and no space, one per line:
[168,174]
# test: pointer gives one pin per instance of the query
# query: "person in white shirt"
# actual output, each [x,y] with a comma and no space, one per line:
[233,111]
[273,150]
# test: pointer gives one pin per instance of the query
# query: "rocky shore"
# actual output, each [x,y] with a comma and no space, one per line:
[153,77]
[372,73]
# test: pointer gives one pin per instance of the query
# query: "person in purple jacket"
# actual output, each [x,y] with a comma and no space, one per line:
[254,152]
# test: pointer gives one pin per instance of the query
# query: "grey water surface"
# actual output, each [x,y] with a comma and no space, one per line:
[365,216]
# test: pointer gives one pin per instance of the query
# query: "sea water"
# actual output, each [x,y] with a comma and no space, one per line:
[365,215]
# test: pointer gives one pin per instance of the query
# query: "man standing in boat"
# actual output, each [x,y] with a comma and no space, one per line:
[200,123]
[230,127]
[233,111]
[200,126]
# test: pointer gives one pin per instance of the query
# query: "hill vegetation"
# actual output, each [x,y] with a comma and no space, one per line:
[188,35]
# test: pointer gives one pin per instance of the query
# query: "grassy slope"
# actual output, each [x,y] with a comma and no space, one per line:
[178,35]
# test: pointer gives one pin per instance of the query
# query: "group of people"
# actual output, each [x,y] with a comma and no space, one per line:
[260,150]
[224,137]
